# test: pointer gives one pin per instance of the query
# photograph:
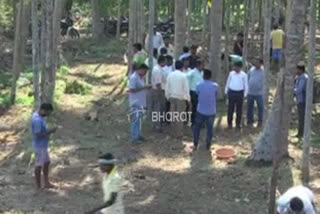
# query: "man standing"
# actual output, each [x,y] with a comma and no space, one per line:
[297,200]
[168,46]
[186,53]
[177,92]
[277,37]
[256,91]
[207,92]
[157,39]
[140,55]
[300,91]
[155,57]
[137,102]
[40,141]
[194,57]
[236,89]
[158,98]
[112,184]
[238,45]
[194,78]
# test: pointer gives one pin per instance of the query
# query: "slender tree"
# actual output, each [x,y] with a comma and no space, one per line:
[150,48]
[35,53]
[215,46]
[266,53]
[204,19]
[277,125]
[227,39]
[189,22]
[180,26]
[19,45]
[246,32]
[119,19]
[97,25]
[48,72]
[135,27]
[308,115]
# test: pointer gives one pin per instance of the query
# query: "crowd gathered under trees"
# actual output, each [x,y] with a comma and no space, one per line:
[179,84]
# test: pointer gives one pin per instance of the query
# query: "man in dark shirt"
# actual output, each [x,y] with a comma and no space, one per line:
[300,93]
[194,58]
[238,45]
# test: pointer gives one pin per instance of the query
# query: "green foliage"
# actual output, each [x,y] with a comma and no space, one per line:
[25,99]
[6,14]
[64,70]
[5,80]
[4,100]
[77,87]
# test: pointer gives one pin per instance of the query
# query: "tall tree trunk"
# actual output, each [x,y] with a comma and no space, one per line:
[57,15]
[119,19]
[19,46]
[277,125]
[277,9]
[227,39]
[261,3]
[246,32]
[308,115]
[215,46]
[180,26]
[204,19]
[189,23]
[48,72]
[135,27]
[150,48]
[266,53]
[35,53]
[97,25]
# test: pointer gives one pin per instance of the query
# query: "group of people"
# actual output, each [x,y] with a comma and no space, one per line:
[180,86]
[185,86]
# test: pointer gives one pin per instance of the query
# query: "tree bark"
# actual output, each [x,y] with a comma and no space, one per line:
[246,32]
[277,125]
[215,44]
[180,26]
[150,48]
[189,22]
[97,25]
[266,53]
[19,46]
[35,53]
[48,72]
[308,115]
[204,18]
[227,39]
[119,19]
[135,27]
[57,15]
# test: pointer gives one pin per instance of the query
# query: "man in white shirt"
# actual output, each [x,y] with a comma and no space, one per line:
[177,91]
[158,99]
[168,69]
[157,40]
[112,187]
[236,89]
[297,200]
[169,47]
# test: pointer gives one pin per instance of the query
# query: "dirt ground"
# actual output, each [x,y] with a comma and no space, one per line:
[162,177]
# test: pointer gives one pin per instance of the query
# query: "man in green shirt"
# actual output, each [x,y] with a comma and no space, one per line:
[140,55]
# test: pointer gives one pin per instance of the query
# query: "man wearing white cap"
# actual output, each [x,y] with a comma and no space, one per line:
[111,184]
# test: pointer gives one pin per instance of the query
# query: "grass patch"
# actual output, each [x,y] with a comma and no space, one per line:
[77,87]
[4,100]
